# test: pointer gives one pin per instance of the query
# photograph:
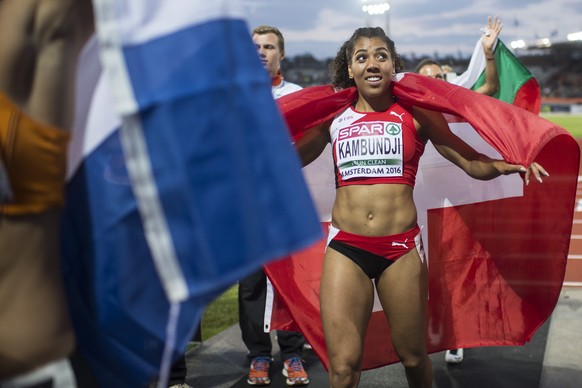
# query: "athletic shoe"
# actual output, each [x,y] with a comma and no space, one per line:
[293,370]
[181,386]
[259,371]
[454,356]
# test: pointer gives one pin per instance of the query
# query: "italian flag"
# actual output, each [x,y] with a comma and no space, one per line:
[496,250]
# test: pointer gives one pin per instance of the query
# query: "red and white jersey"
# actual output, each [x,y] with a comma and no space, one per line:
[375,147]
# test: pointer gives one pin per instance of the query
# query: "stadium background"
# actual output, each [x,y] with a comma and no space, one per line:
[557,68]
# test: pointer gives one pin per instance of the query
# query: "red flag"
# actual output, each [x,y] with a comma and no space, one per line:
[496,250]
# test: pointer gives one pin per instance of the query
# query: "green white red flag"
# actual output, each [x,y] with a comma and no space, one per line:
[517,84]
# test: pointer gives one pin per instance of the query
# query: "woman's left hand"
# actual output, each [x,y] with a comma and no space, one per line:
[538,172]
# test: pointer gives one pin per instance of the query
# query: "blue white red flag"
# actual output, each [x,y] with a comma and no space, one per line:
[182,179]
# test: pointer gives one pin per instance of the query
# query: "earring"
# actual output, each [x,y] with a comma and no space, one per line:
[350,76]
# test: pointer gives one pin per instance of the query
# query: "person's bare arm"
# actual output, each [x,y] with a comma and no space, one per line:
[490,34]
[40,42]
[434,127]
[312,143]
[16,50]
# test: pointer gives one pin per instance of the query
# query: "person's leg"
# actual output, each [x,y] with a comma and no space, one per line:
[83,373]
[403,292]
[178,372]
[252,292]
[291,344]
[346,297]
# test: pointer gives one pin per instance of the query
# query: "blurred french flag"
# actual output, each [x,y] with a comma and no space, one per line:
[182,179]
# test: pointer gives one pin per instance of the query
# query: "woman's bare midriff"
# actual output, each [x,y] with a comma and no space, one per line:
[35,327]
[374,210]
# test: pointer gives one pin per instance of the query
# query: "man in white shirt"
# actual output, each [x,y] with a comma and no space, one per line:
[253,289]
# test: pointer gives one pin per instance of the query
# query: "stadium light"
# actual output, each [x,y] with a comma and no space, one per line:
[518,44]
[545,42]
[378,7]
[574,36]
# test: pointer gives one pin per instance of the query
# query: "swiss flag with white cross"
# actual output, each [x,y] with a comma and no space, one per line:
[496,250]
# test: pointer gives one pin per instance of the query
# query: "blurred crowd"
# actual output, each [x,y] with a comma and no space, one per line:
[558,77]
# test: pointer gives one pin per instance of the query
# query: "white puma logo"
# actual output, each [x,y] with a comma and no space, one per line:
[399,115]
[397,244]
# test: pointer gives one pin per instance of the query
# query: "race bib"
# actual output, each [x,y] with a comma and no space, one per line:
[370,150]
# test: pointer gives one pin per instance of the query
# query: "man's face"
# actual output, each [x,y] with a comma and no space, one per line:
[268,47]
[432,71]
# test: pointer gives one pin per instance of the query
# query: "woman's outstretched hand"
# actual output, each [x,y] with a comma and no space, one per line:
[538,172]
[534,169]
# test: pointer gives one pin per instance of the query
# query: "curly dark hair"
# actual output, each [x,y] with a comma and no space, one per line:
[339,65]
